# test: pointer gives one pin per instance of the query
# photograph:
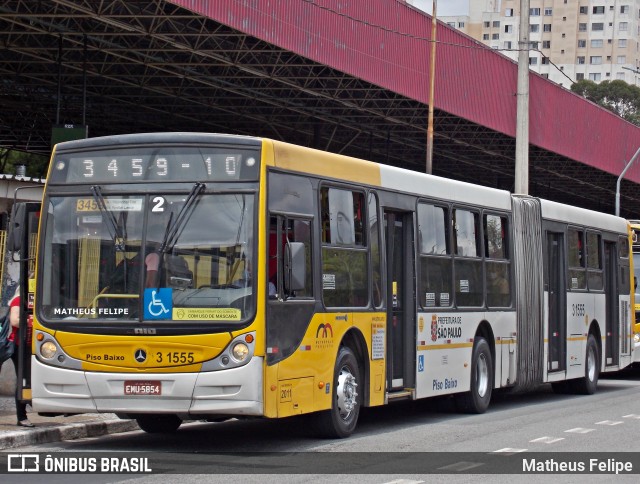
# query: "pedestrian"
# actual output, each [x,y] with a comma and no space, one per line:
[14,319]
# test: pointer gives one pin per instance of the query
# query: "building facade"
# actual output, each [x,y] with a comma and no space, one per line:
[570,39]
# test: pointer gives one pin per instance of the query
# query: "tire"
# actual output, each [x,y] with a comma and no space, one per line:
[340,421]
[477,399]
[158,424]
[589,383]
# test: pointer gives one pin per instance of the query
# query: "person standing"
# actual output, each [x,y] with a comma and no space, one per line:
[14,319]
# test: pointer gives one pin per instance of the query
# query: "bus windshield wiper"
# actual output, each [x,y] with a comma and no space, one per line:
[173,230]
[111,222]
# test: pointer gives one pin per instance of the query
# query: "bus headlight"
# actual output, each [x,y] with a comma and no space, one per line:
[240,351]
[48,349]
[636,338]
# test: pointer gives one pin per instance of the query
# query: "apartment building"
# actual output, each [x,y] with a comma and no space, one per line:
[570,39]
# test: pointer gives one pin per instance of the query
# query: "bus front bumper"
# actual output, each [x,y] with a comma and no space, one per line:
[236,392]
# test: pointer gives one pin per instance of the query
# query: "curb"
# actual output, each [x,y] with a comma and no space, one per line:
[19,438]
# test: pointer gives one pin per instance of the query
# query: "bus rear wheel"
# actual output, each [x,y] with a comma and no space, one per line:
[158,424]
[589,383]
[340,421]
[477,399]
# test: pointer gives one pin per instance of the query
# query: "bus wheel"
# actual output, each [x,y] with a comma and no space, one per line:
[341,420]
[588,384]
[158,424]
[477,399]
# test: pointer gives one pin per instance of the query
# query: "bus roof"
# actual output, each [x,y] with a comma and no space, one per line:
[159,138]
[581,216]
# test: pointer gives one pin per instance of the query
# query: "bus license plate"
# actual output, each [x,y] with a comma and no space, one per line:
[142,388]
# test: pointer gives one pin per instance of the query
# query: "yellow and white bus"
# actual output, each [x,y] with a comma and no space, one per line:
[188,276]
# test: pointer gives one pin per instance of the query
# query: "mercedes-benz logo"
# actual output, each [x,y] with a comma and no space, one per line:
[140,356]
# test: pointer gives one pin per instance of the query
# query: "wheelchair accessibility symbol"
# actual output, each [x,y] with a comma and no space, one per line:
[158,303]
[421,363]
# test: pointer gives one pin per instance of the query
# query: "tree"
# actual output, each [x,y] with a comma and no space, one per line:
[36,164]
[616,96]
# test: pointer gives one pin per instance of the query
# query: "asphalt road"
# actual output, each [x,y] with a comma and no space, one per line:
[398,443]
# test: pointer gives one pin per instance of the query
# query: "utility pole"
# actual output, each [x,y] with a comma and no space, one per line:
[432,85]
[522,115]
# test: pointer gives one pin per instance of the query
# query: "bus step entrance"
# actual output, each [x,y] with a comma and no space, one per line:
[400,395]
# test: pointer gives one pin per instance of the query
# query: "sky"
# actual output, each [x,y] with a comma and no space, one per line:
[445,7]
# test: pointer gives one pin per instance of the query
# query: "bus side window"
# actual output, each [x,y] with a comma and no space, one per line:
[283,230]
[345,271]
[577,276]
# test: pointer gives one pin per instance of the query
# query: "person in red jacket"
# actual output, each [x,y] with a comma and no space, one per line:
[14,319]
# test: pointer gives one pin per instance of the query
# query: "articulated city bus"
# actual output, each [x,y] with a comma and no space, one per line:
[185,276]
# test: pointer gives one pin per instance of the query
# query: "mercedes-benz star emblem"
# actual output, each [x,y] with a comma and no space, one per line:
[140,356]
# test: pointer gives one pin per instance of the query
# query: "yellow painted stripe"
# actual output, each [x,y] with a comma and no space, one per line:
[458,345]
[575,338]
[326,165]
[444,347]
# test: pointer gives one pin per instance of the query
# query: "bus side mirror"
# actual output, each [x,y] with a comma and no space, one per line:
[294,266]
[16,226]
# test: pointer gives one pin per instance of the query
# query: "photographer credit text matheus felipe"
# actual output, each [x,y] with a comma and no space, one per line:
[598,466]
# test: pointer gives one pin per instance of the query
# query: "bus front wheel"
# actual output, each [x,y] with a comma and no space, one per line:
[477,399]
[158,424]
[340,421]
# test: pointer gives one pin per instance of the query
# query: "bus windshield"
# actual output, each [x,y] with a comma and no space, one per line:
[133,257]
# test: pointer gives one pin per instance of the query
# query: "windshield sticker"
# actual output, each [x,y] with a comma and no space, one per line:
[158,303]
[112,204]
[213,314]
[92,219]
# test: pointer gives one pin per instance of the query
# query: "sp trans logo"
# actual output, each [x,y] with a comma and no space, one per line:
[66,464]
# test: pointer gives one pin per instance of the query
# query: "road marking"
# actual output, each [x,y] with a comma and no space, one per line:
[609,422]
[547,440]
[508,451]
[632,415]
[580,430]
[461,466]
[404,481]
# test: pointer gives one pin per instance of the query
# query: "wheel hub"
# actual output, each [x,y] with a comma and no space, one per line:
[346,393]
